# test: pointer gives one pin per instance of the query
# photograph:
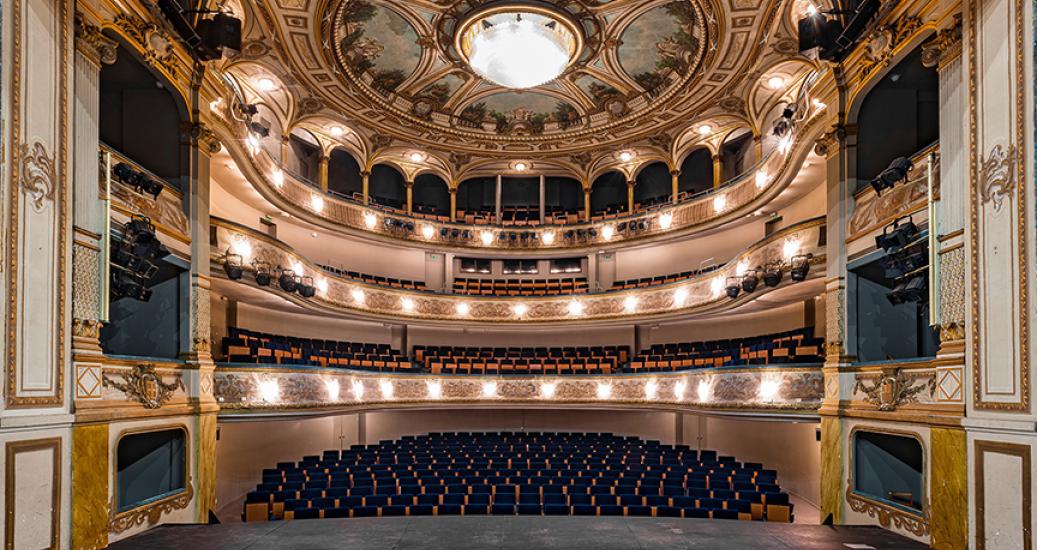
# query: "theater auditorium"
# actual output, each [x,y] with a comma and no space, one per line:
[467,274]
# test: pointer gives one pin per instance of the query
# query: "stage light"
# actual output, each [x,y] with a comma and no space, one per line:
[547,390]
[520,310]
[370,220]
[604,390]
[387,389]
[750,280]
[680,296]
[233,267]
[703,391]
[784,124]
[769,389]
[678,390]
[772,274]
[489,390]
[486,237]
[287,281]
[262,271]
[719,203]
[127,284]
[548,237]
[435,389]
[428,232]
[733,286]
[358,390]
[333,389]
[607,232]
[914,289]
[575,308]
[257,132]
[665,220]
[269,391]
[897,235]
[140,181]
[306,288]
[895,173]
[800,267]
[630,304]
[407,304]
[705,130]
[463,309]
[358,296]
[650,389]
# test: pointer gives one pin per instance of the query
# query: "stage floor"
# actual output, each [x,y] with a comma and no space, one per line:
[518,533]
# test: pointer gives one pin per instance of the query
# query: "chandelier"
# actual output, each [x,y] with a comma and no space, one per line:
[518,47]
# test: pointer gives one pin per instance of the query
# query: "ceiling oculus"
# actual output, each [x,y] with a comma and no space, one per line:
[518,46]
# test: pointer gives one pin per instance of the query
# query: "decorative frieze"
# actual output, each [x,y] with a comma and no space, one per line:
[893,387]
[144,384]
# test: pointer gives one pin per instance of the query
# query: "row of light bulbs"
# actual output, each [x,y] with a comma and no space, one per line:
[270,391]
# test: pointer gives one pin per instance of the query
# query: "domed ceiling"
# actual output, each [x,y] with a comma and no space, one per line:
[643,72]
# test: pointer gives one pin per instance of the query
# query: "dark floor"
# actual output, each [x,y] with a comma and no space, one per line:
[518,532]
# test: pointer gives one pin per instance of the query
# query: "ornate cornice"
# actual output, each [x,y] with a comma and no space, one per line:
[944,47]
[93,44]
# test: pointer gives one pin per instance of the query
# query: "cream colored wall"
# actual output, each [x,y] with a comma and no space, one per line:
[310,326]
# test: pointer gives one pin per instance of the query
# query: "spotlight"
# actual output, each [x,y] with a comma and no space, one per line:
[140,181]
[262,271]
[915,289]
[259,129]
[772,274]
[800,267]
[898,265]
[783,126]
[733,286]
[897,172]
[126,284]
[306,287]
[248,109]
[287,280]
[897,235]
[750,280]
[232,266]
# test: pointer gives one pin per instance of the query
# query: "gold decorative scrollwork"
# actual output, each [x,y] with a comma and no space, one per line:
[886,514]
[145,385]
[998,177]
[893,388]
[150,513]
[37,173]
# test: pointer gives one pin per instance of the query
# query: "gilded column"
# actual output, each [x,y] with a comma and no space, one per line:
[718,170]
[630,195]
[453,203]
[365,185]
[587,204]
[322,173]
[674,185]
[409,188]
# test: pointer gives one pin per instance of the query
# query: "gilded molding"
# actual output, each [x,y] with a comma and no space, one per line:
[37,173]
[93,44]
[86,328]
[155,45]
[888,516]
[952,295]
[894,387]
[944,46]
[146,386]
[150,513]
[11,451]
[998,176]
[883,42]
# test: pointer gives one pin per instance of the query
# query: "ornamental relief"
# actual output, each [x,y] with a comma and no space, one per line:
[952,295]
[895,387]
[997,176]
[37,174]
[888,516]
[145,385]
[149,513]
[872,211]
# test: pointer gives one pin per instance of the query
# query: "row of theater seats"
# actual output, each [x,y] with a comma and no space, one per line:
[518,473]
[794,346]
[520,287]
[487,360]
[661,279]
[528,216]
[390,282]
[246,346]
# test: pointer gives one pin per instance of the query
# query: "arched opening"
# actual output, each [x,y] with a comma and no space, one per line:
[899,117]
[304,154]
[737,154]
[431,196]
[476,199]
[344,174]
[654,186]
[563,200]
[696,173]
[609,194]
[142,117]
[271,144]
[385,186]
[520,200]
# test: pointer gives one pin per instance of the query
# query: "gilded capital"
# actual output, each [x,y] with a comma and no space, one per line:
[93,44]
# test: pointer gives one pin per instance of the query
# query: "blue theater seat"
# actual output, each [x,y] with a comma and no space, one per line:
[449,510]
[668,511]
[725,514]
[306,513]
[696,513]
[339,512]
[394,510]
[421,510]
[584,510]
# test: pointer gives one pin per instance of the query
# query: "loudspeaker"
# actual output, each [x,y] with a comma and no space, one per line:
[221,32]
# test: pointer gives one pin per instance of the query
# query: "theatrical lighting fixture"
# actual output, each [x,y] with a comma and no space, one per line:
[259,129]
[897,235]
[751,280]
[800,267]
[207,38]
[262,271]
[248,109]
[772,274]
[832,38]
[306,287]
[127,284]
[287,280]
[141,240]
[140,181]
[734,286]
[232,266]
[897,172]
[913,289]
[898,265]
[783,126]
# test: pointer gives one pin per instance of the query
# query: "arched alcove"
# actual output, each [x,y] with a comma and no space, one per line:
[476,195]
[563,198]
[385,186]
[737,154]
[898,117]
[271,144]
[431,195]
[304,154]
[653,185]
[696,172]
[609,194]
[344,174]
